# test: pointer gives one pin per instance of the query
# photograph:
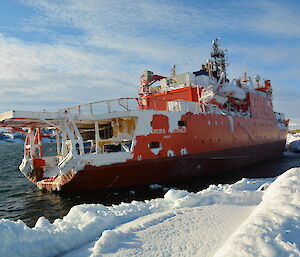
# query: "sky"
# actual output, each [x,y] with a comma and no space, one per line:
[60,53]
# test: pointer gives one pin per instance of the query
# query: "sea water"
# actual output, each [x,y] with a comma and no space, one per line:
[21,199]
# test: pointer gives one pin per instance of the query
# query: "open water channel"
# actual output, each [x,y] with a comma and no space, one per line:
[20,199]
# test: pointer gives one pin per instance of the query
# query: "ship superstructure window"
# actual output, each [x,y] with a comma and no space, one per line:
[87,134]
[126,145]
[154,144]
[105,131]
[110,148]
[182,123]
[87,131]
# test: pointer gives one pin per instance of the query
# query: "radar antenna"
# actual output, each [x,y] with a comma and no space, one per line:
[218,58]
[173,70]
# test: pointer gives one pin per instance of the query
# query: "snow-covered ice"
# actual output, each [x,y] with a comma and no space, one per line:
[292,137]
[252,217]
[293,142]
[294,146]
[184,232]
[273,229]
[155,186]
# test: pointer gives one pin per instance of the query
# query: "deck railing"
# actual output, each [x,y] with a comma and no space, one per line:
[106,106]
[129,104]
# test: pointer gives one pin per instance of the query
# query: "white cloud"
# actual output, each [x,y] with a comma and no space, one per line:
[150,19]
[294,123]
[277,17]
[111,42]
[40,72]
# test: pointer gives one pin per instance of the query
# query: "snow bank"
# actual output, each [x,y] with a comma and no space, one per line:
[294,146]
[197,231]
[292,137]
[293,143]
[86,223]
[155,186]
[242,192]
[273,229]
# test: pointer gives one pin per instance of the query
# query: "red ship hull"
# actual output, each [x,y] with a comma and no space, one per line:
[163,170]
[206,144]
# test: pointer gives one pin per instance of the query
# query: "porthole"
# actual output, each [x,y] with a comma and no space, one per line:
[182,123]
[154,144]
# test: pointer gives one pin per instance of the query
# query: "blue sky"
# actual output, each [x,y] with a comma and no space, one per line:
[65,52]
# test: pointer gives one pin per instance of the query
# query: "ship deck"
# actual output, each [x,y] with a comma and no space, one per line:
[101,110]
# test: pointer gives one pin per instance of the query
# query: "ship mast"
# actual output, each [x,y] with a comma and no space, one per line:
[218,58]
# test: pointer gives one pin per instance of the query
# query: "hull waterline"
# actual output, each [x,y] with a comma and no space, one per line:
[168,169]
